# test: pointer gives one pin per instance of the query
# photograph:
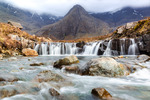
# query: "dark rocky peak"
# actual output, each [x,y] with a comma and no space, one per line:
[77,10]
[76,24]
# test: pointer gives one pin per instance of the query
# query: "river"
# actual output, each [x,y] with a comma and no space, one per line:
[136,86]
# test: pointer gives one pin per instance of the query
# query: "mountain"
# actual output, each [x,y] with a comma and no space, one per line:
[31,22]
[123,16]
[76,24]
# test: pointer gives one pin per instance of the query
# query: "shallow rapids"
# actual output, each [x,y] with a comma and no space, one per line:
[136,86]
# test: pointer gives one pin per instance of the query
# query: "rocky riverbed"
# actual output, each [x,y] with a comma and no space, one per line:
[35,78]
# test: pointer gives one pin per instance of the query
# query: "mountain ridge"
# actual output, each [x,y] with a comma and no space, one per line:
[76,24]
[29,20]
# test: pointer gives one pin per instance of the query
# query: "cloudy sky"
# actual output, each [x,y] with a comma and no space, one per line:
[61,7]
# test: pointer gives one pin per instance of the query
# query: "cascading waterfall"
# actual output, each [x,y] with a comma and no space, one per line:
[108,49]
[44,48]
[133,48]
[67,49]
[92,48]
[122,52]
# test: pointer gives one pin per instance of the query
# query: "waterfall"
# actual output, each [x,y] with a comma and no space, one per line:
[108,49]
[91,48]
[97,48]
[44,49]
[133,48]
[56,49]
[122,47]
[36,47]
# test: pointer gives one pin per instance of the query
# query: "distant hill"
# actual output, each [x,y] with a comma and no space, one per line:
[122,16]
[31,22]
[76,24]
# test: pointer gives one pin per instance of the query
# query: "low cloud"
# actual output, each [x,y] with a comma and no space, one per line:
[61,7]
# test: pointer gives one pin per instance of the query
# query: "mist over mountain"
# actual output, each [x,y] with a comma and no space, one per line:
[31,22]
[127,14]
[60,8]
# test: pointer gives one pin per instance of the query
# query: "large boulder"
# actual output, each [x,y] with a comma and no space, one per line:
[101,93]
[66,61]
[29,52]
[104,66]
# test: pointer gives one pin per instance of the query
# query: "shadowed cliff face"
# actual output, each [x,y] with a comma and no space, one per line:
[76,24]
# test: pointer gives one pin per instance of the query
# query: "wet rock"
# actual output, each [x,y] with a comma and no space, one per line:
[7,93]
[37,64]
[104,66]
[66,61]
[143,44]
[101,93]
[29,52]
[8,77]
[80,44]
[53,92]
[72,69]
[143,57]
[47,76]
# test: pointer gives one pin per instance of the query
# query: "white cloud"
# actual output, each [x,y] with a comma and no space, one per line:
[61,7]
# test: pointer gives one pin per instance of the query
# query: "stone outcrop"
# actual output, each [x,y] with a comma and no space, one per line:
[29,52]
[143,44]
[104,66]
[101,93]
[121,29]
[66,61]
